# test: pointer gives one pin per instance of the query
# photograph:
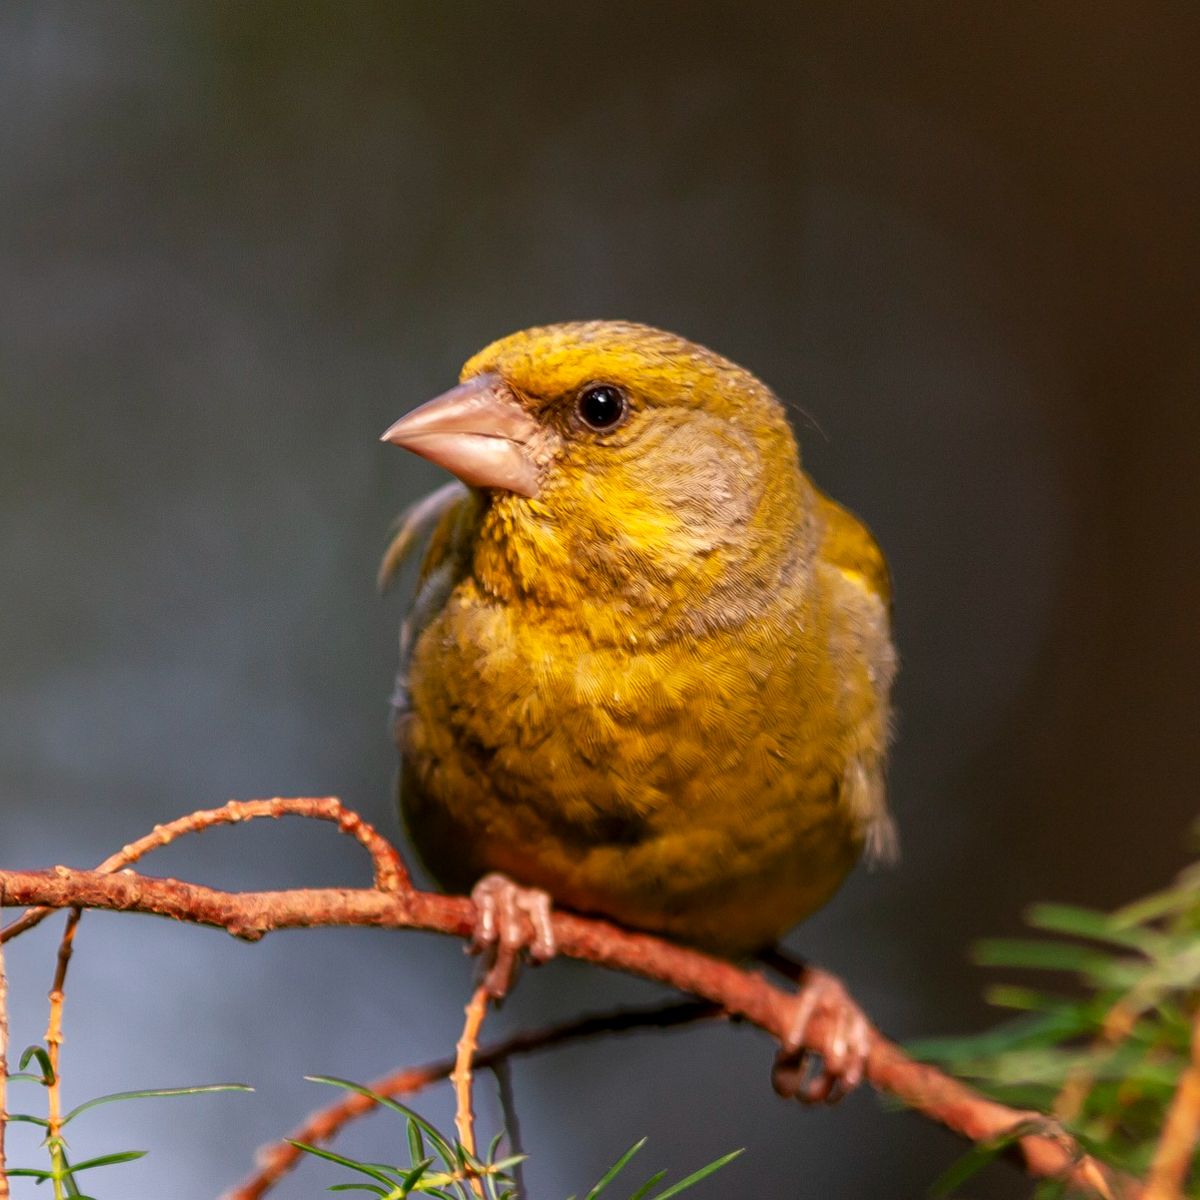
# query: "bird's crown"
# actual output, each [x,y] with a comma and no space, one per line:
[547,362]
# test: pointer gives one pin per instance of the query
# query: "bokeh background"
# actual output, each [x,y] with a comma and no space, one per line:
[237,240]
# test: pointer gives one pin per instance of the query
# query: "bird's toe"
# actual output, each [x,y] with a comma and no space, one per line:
[510,919]
[823,1056]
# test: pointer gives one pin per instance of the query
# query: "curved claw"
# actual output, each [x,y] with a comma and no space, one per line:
[822,1071]
[509,919]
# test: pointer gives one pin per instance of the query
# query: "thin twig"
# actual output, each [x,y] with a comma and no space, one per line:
[1117,1025]
[4,1193]
[1177,1144]
[391,875]
[460,1077]
[276,1160]
[511,1125]
[54,1039]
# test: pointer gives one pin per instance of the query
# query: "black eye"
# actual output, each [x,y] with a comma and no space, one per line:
[602,406]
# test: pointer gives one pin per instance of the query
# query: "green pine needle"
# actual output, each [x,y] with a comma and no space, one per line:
[1137,975]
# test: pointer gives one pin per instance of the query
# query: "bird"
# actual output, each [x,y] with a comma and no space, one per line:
[646,672]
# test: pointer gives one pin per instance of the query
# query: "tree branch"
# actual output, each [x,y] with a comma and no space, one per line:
[3,1073]
[739,993]
[390,872]
[277,1159]
[461,1077]
[1173,1155]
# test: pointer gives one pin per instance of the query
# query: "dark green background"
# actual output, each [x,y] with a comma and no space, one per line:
[238,239]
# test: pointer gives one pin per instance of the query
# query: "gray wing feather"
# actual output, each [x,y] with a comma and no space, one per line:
[409,532]
[411,526]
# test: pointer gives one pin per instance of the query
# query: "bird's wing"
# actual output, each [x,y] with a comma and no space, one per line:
[412,525]
[850,549]
[849,546]
[441,516]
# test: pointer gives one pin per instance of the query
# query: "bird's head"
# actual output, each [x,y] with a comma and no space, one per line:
[619,454]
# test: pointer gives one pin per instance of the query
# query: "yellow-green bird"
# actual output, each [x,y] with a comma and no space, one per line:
[647,670]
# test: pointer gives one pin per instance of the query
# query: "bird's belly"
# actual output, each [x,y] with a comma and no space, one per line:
[693,795]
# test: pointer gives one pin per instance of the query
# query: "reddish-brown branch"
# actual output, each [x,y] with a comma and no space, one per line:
[54,1034]
[4,1193]
[740,993]
[277,1159]
[1177,1146]
[461,1077]
[1118,1023]
[391,875]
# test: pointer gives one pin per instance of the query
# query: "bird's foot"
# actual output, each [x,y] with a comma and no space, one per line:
[508,919]
[822,1007]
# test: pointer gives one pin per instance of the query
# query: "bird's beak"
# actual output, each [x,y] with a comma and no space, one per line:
[478,431]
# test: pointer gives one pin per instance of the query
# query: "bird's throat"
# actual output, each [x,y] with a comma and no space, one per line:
[663,584]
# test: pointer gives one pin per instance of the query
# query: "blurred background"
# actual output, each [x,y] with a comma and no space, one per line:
[237,240]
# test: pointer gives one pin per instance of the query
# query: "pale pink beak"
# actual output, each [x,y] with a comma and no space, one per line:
[478,431]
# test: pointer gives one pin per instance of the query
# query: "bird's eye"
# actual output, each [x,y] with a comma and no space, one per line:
[602,406]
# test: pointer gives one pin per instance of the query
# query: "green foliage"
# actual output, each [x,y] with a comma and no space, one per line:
[449,1171]
[61,1172]
[1103,1045]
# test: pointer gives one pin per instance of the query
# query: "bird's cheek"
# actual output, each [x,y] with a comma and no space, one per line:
[544,448]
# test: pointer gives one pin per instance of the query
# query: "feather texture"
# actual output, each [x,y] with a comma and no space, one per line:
[659,688]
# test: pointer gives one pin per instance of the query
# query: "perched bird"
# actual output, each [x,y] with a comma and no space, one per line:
[646,673]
